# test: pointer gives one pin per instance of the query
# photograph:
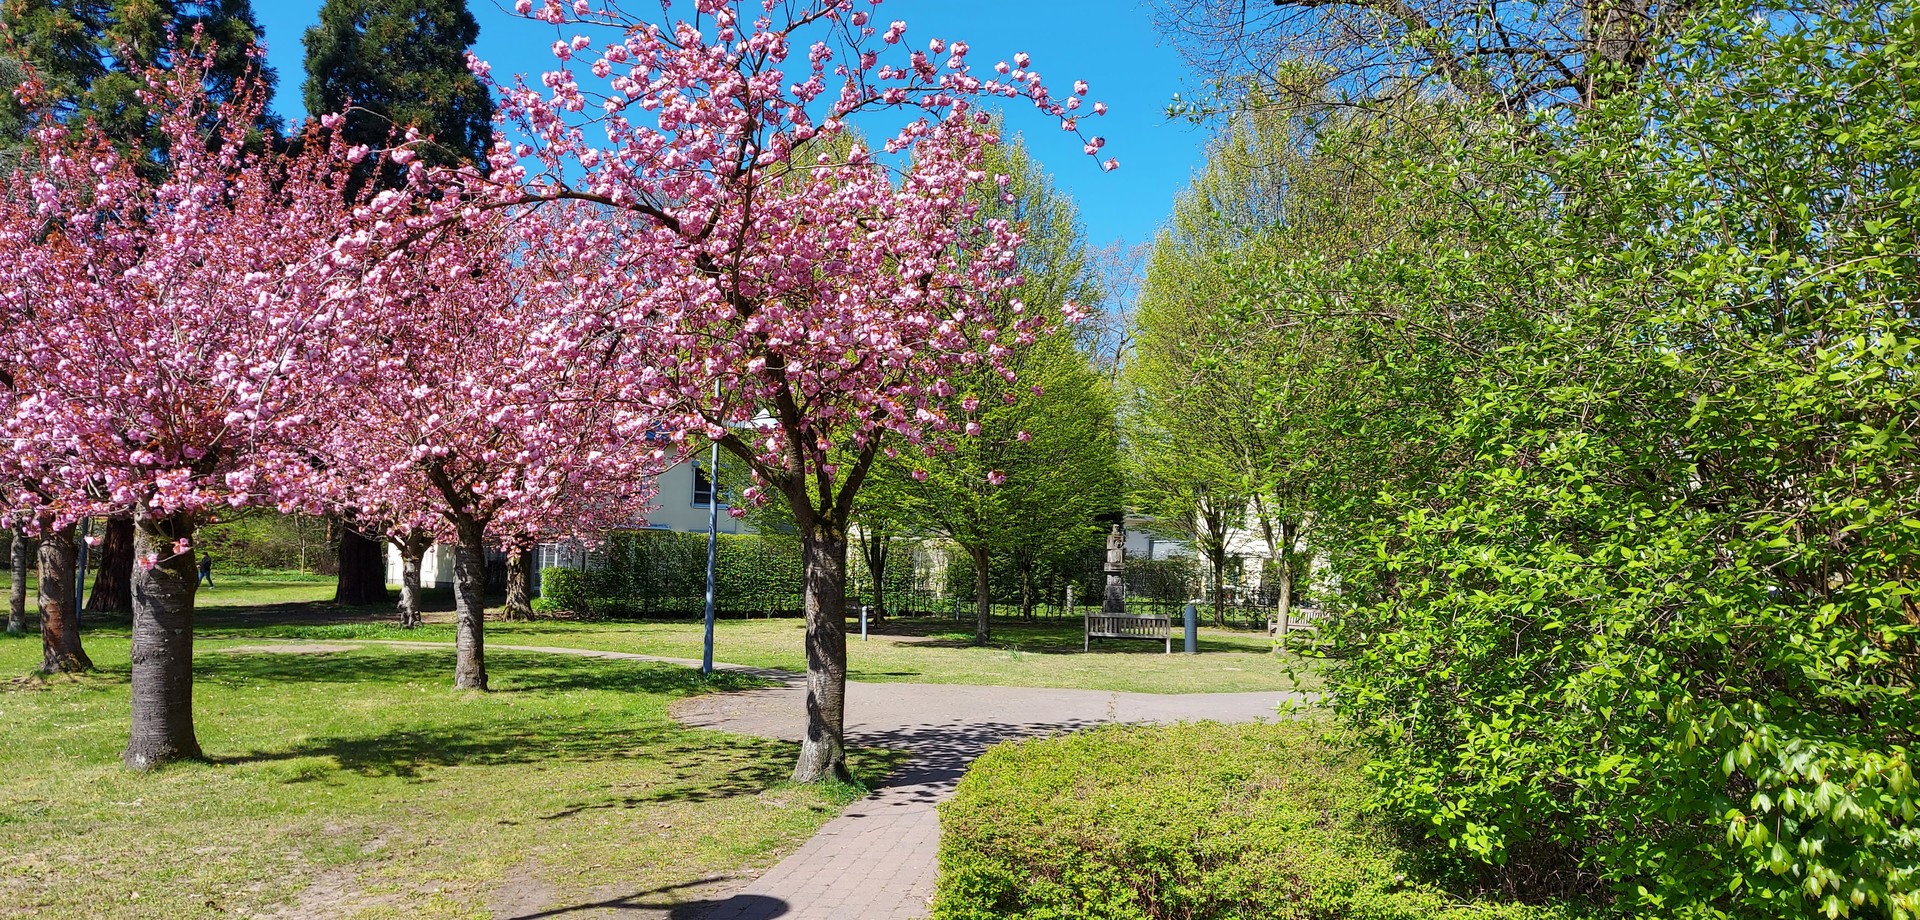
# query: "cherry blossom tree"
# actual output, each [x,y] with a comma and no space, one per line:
[757,274]
[485,429]
[165,339]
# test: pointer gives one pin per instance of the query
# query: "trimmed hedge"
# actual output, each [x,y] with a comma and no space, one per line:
[659,573]
[1194,821]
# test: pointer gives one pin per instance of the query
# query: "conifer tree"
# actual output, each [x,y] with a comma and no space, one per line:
[401,63]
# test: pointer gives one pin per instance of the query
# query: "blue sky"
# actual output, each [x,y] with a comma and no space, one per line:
[1111,45]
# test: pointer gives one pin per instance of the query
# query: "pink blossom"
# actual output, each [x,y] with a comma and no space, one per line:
[919,475]
[997,478]
[1023,437]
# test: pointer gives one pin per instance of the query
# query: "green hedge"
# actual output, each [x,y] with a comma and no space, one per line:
[1191,821]
[658,573]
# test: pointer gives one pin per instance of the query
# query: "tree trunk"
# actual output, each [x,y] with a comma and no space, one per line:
[22,560]
[1026,591]
[875,549]
[113,585]
[59,618]
[1286,571]
[363,569]
[163,593]
[470,607]
[1218,563]
[823,753]
[519,605]
[982,596]
[412,549]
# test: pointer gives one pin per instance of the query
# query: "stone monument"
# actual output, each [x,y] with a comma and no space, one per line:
[1116,597]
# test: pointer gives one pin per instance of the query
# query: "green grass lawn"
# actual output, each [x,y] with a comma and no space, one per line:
[354,783]
[1044,654]
[1039,653]
[262,589]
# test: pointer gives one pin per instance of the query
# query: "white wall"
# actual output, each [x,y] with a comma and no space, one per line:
[673,510]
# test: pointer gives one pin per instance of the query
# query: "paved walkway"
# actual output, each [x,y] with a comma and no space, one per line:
[877,860]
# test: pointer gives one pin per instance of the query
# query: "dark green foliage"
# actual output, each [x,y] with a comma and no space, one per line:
[1194,822]
[401,63]
[267,542]
[660,573]
[87,54]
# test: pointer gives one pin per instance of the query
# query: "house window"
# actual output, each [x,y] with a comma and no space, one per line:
[702,486]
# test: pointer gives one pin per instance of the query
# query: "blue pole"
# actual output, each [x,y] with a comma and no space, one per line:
[1193,627]
[863,622]
[713,536]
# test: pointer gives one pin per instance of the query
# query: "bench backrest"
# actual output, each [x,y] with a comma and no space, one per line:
[1128,626]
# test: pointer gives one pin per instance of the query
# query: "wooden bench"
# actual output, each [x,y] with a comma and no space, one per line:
[1304,620]
[1128,626]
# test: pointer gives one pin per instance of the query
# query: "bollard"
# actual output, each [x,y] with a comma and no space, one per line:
[863,622]
[1193,627]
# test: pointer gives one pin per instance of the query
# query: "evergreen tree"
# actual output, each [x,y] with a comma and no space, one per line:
[400,63]
[86,54]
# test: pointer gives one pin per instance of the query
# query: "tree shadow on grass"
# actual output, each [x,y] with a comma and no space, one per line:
[509,672]
[684,764]
[642,904]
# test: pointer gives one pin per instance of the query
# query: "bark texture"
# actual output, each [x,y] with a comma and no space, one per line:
[412,549]
[17,601]
[519,603]
[113,584]
[163,595]
[823,752]
[982,595]
[470,608]
[363,569]
[59,616]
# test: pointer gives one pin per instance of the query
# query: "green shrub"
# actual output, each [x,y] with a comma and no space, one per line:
[658,573]
[1651,628]
[1191,821]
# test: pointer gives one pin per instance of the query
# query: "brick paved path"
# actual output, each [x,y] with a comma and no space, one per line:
[877,860]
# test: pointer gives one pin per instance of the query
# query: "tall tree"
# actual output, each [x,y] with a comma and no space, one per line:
[484,429]
[1041,467]
[401,64]
[798,306]
[165,341]
[391,65]
[88,57]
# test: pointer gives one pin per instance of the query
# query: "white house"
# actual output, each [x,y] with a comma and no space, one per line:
[681,503]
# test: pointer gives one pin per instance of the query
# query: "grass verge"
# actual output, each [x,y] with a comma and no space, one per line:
[1197,821]
[354,783]
[1037,654]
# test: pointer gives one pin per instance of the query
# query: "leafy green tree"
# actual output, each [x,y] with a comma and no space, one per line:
[1617,442]
[400,64]
[1043,471]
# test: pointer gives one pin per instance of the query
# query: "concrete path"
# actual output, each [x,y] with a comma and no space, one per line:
[877,860]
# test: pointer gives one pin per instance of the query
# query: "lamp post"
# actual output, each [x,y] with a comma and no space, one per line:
[713,538]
